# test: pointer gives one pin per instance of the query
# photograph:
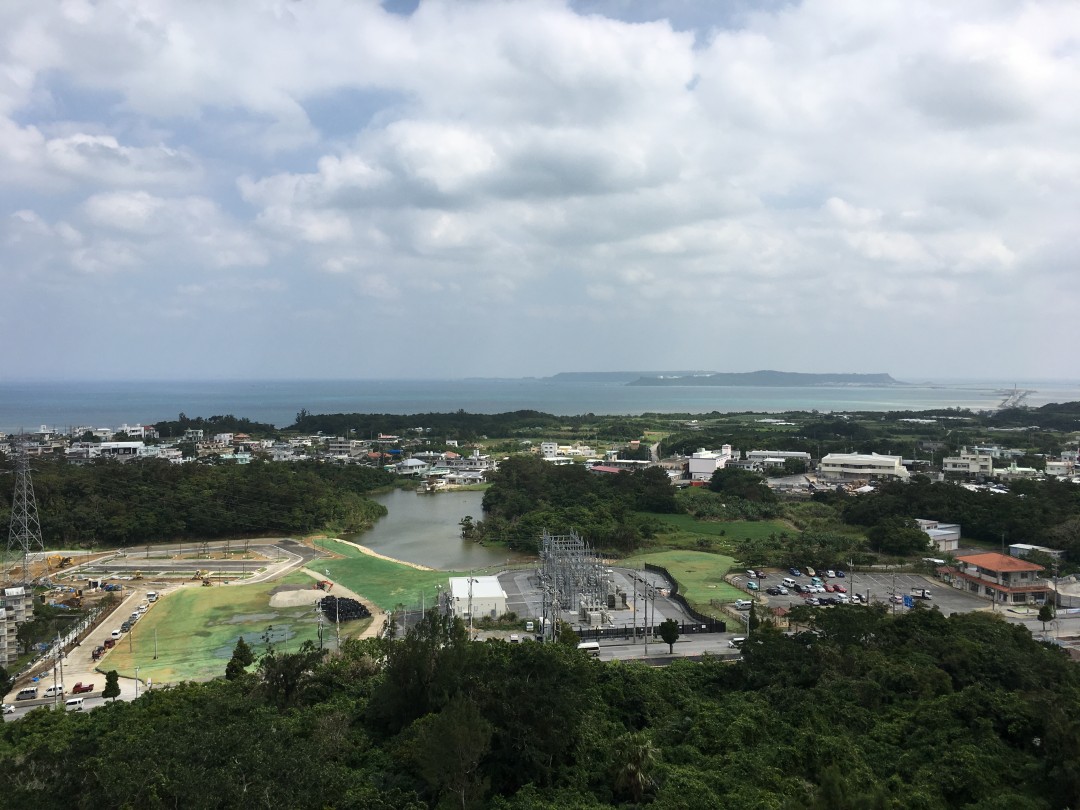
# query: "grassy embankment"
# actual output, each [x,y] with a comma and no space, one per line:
[700,575]
[197,629]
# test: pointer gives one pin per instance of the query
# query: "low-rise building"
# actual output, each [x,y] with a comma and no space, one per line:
[944,536]
[479,597]
[1026,549]
[860,466]
[704,462]
[969,463]
[1001,578]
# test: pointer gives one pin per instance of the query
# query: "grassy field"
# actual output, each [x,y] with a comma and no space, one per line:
[717,535]
[384,582]
[700,574]
[197,629]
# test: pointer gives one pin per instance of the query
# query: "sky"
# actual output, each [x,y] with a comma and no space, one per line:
[445,189]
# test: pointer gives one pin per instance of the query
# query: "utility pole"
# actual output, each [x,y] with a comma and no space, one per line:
[155,643]
[136,683]
[337,623]
[635,607]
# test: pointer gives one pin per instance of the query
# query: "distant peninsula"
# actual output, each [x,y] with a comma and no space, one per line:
[763,379]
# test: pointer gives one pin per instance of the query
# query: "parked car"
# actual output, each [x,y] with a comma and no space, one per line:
[829,600]
[74,704]
[743,604]
[53,691]
[812,601]
[795,572]
[783,590]
[800,589]
[839,588]
[109,643]
[830,588]
[125,627]
[116,634]
[29,693]
[840,574]
[8,708]
[830,573]
[858,597]
[773,591]
[97,653]
[752,585]
[762,575]
[751,573]
[841,598]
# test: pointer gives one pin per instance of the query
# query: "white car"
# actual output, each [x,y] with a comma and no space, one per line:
[743,604]
[830,573]
[783,590]
[8,708]
[116,633]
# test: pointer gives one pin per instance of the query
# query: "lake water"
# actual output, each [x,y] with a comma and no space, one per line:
[424,529]
[28,405]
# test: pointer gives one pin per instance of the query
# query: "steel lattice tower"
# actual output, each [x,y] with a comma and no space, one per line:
[24,531]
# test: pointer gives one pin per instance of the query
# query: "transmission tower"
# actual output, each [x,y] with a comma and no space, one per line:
[24,531]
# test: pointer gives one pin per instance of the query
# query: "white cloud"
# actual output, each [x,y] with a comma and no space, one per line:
[787,164]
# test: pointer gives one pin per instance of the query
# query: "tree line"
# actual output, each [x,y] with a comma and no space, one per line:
[108,503]
[856,710]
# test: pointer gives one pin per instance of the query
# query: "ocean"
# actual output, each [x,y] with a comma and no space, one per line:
[62,405]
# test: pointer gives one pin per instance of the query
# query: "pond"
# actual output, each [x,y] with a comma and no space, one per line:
[425,529]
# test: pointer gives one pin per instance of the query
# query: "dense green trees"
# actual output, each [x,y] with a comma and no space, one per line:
[858,710]
[528,495]
[109,503]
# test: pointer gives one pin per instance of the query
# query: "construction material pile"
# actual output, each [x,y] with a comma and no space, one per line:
[345,610]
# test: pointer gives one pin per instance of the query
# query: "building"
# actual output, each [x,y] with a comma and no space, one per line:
[704,462]
[16,607]
[768,457]
[478,597]
[944,536]
[969,463]
[1025,550]
[1064,468]
[858,466]
[1001,578]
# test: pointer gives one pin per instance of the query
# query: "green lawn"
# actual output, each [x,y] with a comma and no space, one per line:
[700,575]
[197,629]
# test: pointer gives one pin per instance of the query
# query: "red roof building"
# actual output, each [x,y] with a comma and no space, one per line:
[1000,578]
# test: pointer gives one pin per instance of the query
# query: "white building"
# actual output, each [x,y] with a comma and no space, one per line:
[969,463]
[482,596]
[944,536]
[858,466]
[704,462]
[1025,549]
[1060,469]
[776,458]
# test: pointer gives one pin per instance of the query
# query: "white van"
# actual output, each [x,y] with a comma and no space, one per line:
[789,582]
[74,704]
[591,647]
[53,691]
[737,642]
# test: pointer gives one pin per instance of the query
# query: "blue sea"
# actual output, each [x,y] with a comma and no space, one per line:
[62,405]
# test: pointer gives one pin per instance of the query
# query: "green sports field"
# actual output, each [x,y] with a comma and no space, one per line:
[197,628]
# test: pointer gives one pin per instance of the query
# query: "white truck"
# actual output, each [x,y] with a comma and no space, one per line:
[921,593]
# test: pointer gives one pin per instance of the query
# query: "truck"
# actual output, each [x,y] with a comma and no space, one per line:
[921,593]
[81,687]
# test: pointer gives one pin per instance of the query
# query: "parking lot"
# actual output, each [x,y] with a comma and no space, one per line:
[877,587]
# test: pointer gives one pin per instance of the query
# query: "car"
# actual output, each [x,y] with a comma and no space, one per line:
[830,573]
[830,588]
[529,626]
[857,597]
[841,598]
[896,599]
[145,606]
[81,687]
[830,600]
[782,589]
[29,693]
[839,588]
[810,572]
[74,704]
[799,588]
[54,691]
[751,573]
[515,638]
[109,643]
[840,574]
[737,642]
[795,572]
[772,591]
[97,653]
[743,604]
[762,575]
[125,627]
[752,585]
[116,634]
[812,601]
[8,708]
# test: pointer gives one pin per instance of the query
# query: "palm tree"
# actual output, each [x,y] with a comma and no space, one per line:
[639,757]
